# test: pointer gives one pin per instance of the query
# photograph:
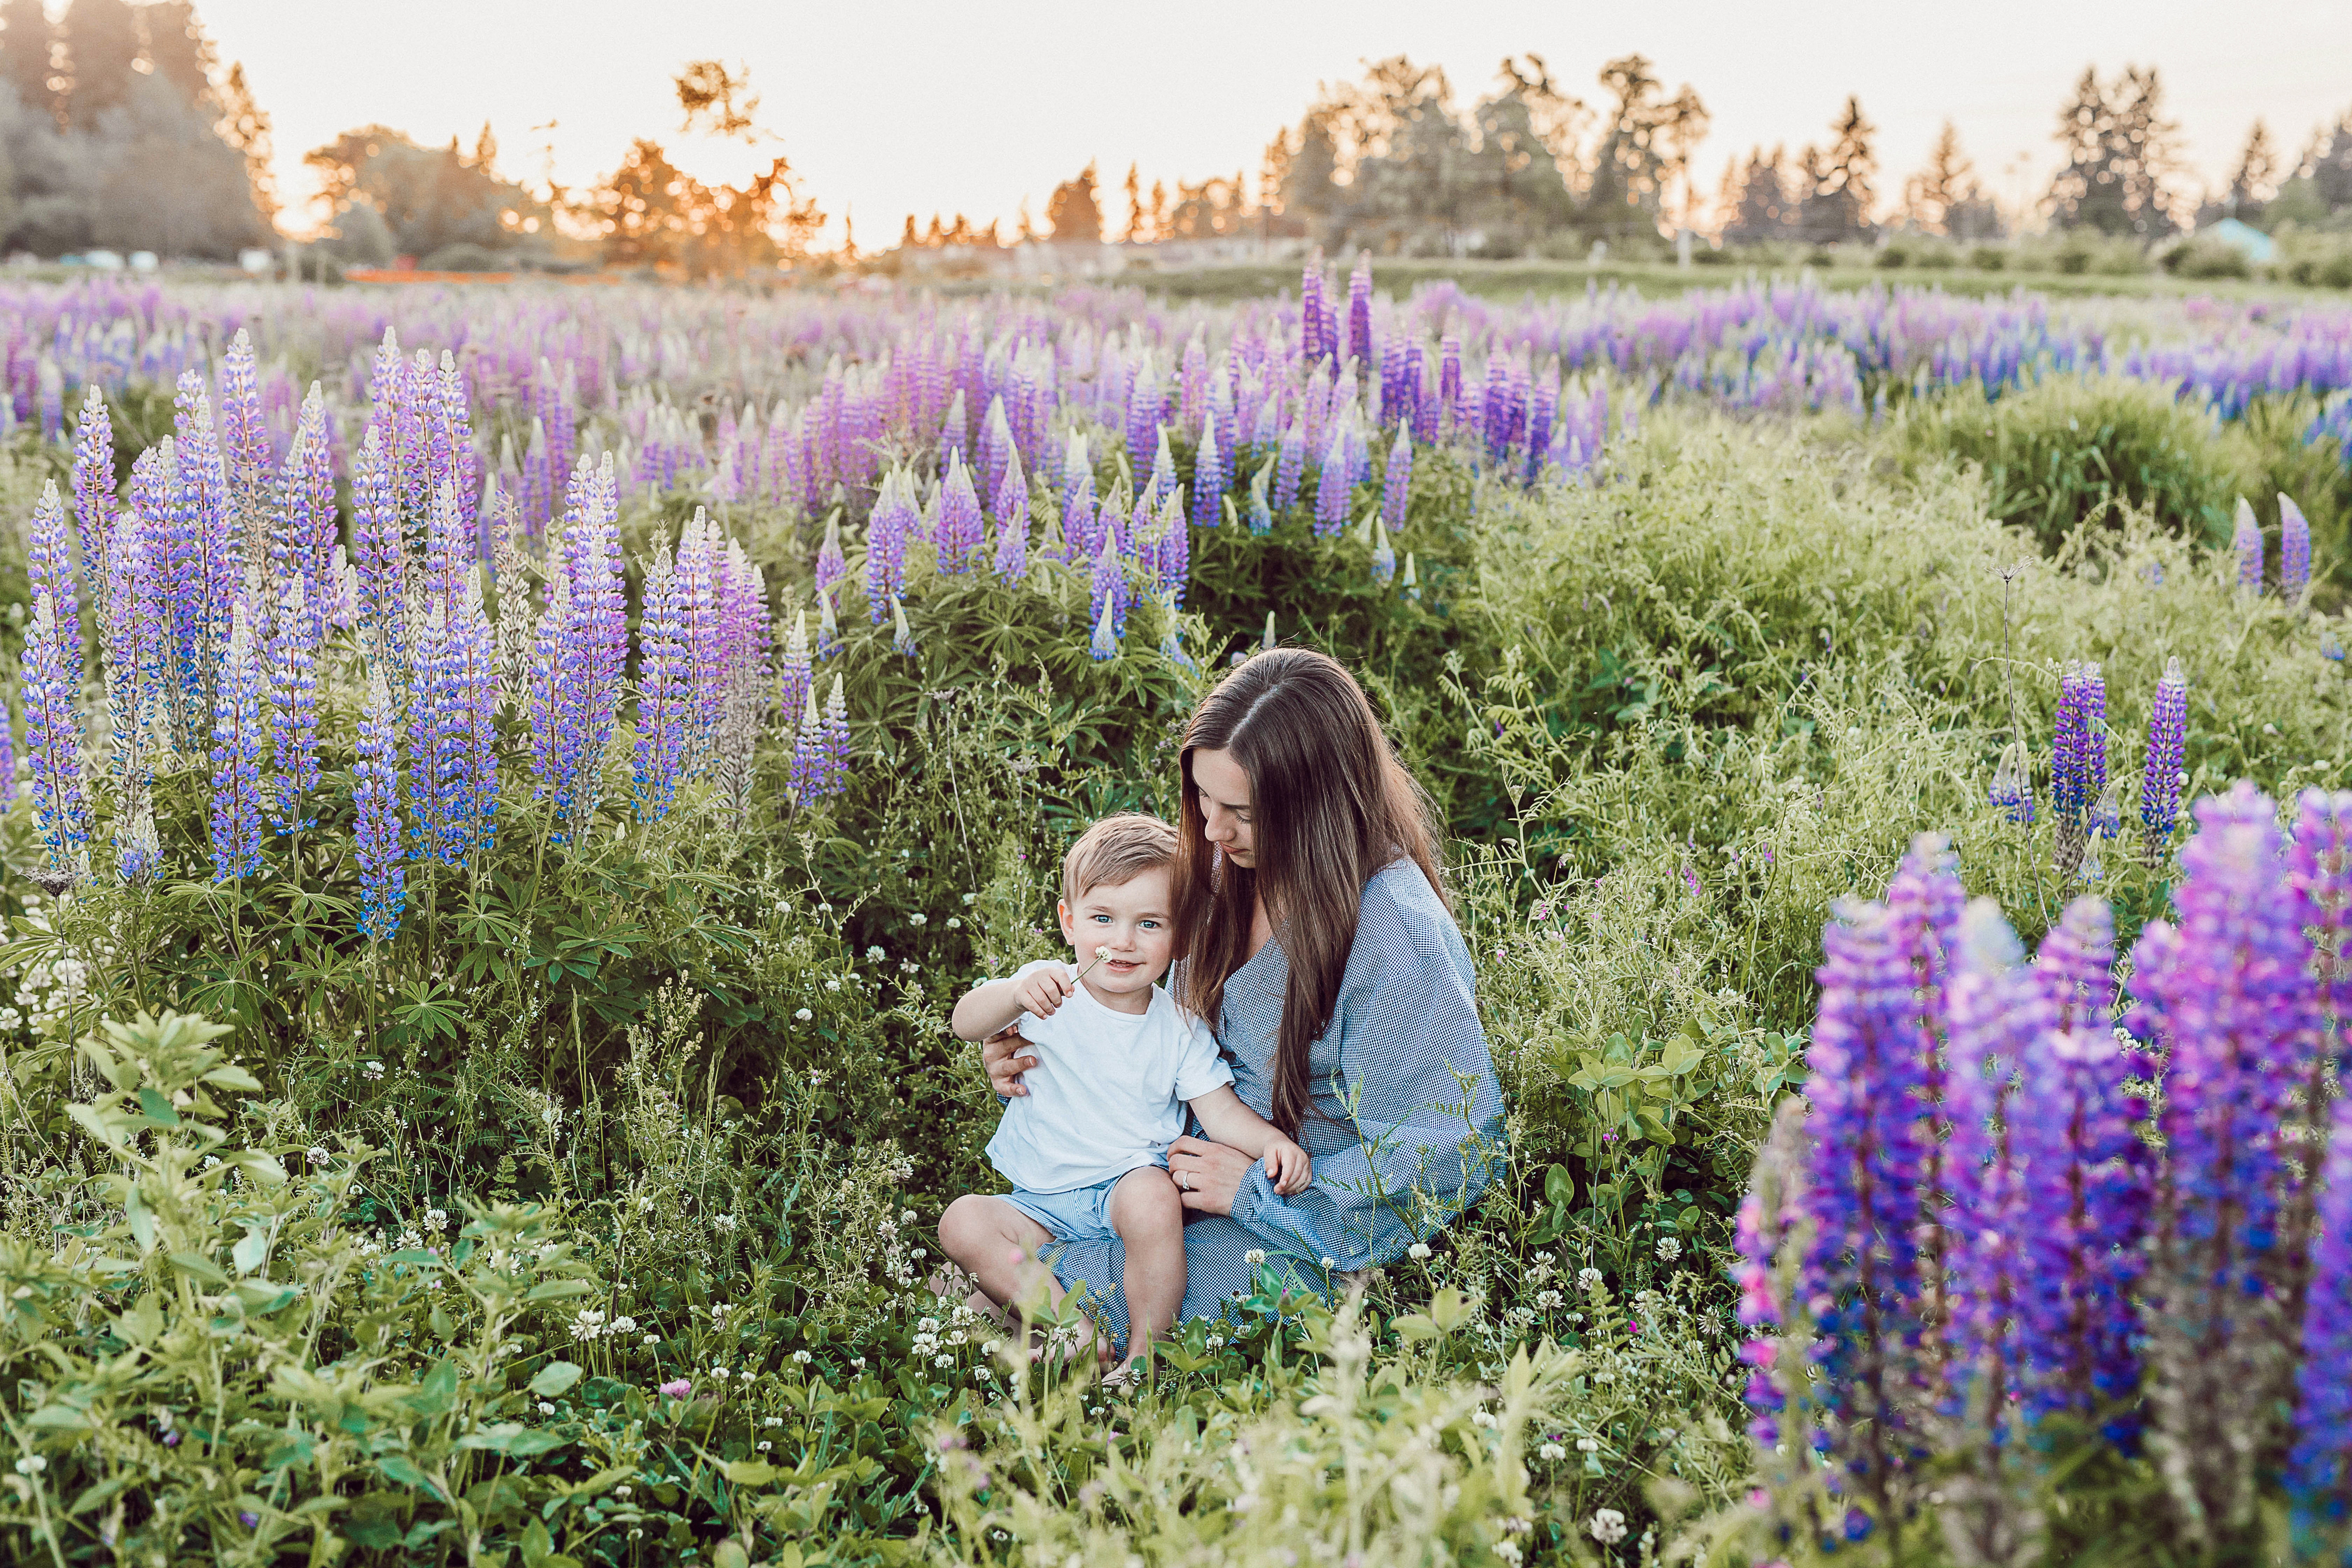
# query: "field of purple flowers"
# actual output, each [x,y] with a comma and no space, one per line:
[578,741]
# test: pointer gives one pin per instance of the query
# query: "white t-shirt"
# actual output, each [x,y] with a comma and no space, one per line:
[1109,1092]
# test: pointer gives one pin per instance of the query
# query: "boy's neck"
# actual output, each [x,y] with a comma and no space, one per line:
[1139,1002]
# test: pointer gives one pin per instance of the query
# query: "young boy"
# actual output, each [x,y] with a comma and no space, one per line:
[1086,1148]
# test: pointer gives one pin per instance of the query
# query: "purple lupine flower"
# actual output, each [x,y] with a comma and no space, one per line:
[1291,465]
[831,565]
[1311,346]
[2320,1467]
[1862,1274]
[2078,769]
[1012,525]
[836,739]
[7,755]
[312,463]
[1995,1010]
[200,477]
[52,678]
[1260,514]
[2295,551]
[237,741]
[375,795]
[244,439]
[1398,479]
[1211,474]
[961,531]
[2160,780]
[49,564]
[2084,1173]
[887,531]
[796,677]
[474,647]
[1449,374]
[131,653]
[2225,995]
[1331,488]
[902,635]
[2246,541]
[293,709]
[51,380]
[806,780]
[1162,483]
[1360,308]
[1143,412]
[701,613]
[93,469]
[1107,593]
[664,694]
[379,554]
[2320,871]
[1172,560]
[1769,1221]
[2074,967]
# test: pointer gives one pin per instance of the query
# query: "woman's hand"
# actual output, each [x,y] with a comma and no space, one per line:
[1000,1054]
[1210,1175]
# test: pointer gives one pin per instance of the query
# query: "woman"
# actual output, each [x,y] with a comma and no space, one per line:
[1312,928]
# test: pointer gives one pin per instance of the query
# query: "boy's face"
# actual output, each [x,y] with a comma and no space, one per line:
[1131,919]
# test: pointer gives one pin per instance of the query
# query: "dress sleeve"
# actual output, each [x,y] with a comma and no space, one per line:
[1418,1085]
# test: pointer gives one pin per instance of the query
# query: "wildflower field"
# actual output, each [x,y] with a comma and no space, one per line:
[504,786]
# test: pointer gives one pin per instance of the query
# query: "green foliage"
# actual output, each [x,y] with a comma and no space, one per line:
[612,1115]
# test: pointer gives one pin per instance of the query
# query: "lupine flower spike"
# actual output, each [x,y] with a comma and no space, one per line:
[2160,780]
[902,635]
[2246,542]
[236,758]
[2013,785]
[375,794]
[2295,552]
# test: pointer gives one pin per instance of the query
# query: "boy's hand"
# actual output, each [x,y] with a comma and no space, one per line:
[1044,989]
[1286,1166]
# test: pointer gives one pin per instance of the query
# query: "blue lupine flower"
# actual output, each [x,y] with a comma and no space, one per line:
[831,565]
[379,554]
[2319,1467]
[1012,524]
[795,676]
[237,743]
[1360,308]
[1162,483]
[2013,785]
[1291,465]
[2078,771]
[961,530]
[808,770]
[2246,540]
[2295,551]
[93,467]
[52,678]
[293,709]
[663,694]
[375,795]
[1210,479]
[1108,588]
[2160,786]
[1331,488]
[1397,481]
[902,635]
[893,520]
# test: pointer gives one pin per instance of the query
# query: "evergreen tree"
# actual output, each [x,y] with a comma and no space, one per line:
[1073,214]
[2328,164]
[25,38]
[175,43]
[1136,233]
[1759,208]
[2119,153]
[1946,181]
[102,44]
[2256,179]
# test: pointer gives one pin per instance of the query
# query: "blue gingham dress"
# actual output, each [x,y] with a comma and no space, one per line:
[1412,1122]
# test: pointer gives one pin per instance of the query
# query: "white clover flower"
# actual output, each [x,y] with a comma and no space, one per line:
[1668,1249]
[858,1364]
[943,1360]
[1551,1451]
[955,924]
[918,919]
[1608,1526]
[1588,1445]
[833,985]
[772,1421]
[318,1155]
[1587,1278]
[1548,1299]
[719,1372]
[801,1358]
[31,1465]
[874,954]
[971,898]
[1510,1552]
[764,1445]
[804,1014]
[1482,1417]
[1255,1256]
[546,1407]
[653,1339]
[1418,1252]
[726,1222]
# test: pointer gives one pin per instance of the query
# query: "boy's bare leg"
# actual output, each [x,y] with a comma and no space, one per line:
[1148,1216]
[997,1245]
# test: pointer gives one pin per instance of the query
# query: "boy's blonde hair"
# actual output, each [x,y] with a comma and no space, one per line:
[1115,851]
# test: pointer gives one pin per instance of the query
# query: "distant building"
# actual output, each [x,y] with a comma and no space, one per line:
[2243,238]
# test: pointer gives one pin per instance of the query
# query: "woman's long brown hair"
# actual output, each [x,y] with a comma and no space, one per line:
[1330,806]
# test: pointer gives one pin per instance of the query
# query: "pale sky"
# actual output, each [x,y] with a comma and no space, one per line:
[888,108]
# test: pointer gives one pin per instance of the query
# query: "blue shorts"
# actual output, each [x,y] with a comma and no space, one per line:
[1081,1213]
